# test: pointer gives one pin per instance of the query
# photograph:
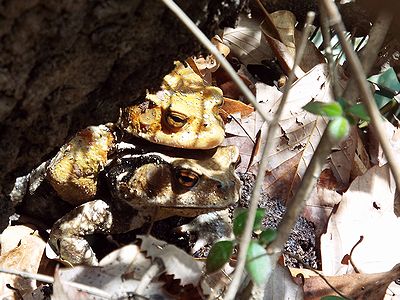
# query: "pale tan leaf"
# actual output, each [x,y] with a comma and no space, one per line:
[247,42]
[299,136]
[366,210]
[118,274]
[285,22]
[375,149]
[341,159]
[22,252]
[285,47]
[176,261]
[281,283]
[242,132]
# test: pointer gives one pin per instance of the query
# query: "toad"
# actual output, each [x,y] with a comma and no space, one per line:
[116,182]
[184,114]
[145,187]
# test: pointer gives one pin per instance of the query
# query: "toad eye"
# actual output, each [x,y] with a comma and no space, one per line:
[175,119]
[187,178]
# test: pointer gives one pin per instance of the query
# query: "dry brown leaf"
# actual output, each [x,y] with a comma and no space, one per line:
[24,253]
[299,136]
[176,261]
[353,286]
[247,42]
[321,202]
[350,160]
[285,22]
[285,58]
[366,210]
[285,48]
[232,106]
[229,87]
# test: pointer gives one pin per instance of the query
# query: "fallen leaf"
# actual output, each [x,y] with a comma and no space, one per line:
[118,274]
[285,22]
[299,135]
[285,47]
[342,158]
[176,261]
[205,66]
[23,250]
[232,106]
[353,286]
[281,283]
[366,210]
[375,149]
[243,132]
[247,42]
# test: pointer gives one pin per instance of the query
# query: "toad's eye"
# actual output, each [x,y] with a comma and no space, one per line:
[187,178]
[175,119]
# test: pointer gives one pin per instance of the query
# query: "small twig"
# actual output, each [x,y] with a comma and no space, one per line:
[218,56]
[48,279]
[366,95]
[274,32]
[328,51]
[273,129]
[351,254]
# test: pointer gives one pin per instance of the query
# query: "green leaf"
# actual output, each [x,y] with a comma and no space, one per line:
[258,263]
[331,110]
[339,128]
[343,103]
[219,255]
[387,80]
[267,236]
[359,111]
[240,221]
[332,298]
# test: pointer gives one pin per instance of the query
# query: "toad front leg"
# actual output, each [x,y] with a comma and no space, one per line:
[68,237]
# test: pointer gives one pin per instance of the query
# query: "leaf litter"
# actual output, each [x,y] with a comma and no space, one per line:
[355,195]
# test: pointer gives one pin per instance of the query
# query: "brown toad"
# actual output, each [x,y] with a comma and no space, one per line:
[151,180]
[184,114]
[144,187]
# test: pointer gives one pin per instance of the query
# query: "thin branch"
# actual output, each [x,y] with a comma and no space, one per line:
[366,95]
[273,129]
[328,51]
[48,279]
[369,54]
[218,56]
